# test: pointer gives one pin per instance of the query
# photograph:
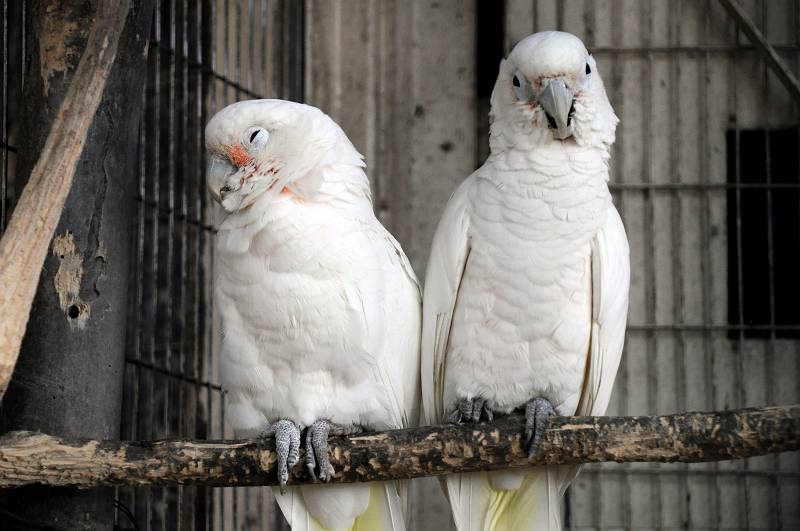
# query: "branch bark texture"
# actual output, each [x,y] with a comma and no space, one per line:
[30,458]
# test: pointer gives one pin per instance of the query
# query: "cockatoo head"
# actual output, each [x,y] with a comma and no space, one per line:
[549,89]
[258,148]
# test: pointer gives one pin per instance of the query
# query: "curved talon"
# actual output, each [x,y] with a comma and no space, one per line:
[537,411]
[317,457]
[318,436]
[477,409]
[465,409]
[471,410]
[311,462]
[287,446]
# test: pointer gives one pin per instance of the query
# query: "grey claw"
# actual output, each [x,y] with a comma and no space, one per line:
[311,462]
[287,446]
[465,409]
[477,409]
[317,447]
[471,410]
[537,411]
[454,416]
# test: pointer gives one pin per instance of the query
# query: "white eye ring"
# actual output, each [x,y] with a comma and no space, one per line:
[255,138]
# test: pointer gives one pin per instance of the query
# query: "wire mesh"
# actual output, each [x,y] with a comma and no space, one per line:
[13,42]
[708,325]
[202,56]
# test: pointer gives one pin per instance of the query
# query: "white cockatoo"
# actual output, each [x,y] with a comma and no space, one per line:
[526,293]
[319,306]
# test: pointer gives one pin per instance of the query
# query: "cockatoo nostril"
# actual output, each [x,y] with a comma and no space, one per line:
[550,121]
[571,113]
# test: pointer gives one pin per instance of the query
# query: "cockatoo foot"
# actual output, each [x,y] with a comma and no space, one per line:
[287,446]
[471,410]
[537,411]
[317,447]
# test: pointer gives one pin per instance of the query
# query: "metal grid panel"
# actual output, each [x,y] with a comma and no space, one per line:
[13,42]
[202,56]
[681,78]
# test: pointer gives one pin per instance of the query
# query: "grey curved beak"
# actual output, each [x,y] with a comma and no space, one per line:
[218,174]
[556,100]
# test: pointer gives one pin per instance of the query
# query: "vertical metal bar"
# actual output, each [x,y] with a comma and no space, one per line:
[796,20]
[649,226]
[183,172]
[265,88]
[292,49]
[4,171]
[617,77]
[769,354]
[204,57]
[251,15]
[168,287]
[276,22]
[213,354]
[560,16]
[739,366]
[139,273]
[705,268]
[154,242]
[148,238]
[676,226]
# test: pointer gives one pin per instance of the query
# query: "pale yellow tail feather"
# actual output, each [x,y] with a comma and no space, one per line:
[384,512]
[535,505]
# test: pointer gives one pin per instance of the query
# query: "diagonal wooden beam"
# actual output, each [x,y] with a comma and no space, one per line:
[24,244]
[766,50]
[28,458]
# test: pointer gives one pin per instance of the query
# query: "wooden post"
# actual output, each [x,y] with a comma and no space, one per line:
[32,458]
[83,88]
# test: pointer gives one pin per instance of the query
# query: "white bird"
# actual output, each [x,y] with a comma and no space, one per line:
[320,309]
[526,292]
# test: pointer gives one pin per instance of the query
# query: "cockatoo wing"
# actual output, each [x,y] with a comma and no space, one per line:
[611,271]
[388,297]
[610,285]
[449,253]
[400,312]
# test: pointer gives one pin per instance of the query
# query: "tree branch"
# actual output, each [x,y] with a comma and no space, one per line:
[31,458]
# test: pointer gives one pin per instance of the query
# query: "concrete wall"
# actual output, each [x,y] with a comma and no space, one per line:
[399,78]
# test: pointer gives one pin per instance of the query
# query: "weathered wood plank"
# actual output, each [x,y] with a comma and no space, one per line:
[31,458]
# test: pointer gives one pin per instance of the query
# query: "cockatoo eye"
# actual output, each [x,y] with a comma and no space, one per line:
[522,88]
[588,69]
[256,138]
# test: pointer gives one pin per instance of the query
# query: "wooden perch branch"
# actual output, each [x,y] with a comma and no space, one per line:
[31,458]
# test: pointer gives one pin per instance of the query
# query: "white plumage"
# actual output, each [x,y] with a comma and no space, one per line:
[526,292]
[319,307]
